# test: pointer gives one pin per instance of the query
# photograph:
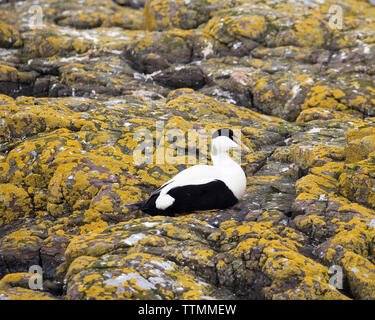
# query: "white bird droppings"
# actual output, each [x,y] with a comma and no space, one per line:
[134,238]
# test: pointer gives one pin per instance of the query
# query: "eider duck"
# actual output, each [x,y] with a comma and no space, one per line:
[202,187]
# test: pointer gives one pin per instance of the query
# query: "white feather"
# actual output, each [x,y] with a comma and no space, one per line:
[164,202]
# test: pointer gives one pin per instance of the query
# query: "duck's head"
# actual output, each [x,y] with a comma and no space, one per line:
[223,140]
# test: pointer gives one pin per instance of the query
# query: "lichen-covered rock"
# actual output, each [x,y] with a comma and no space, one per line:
[108,16]
[182,77]
[9,36]
[360,143]
[158,50]
[267,260]
[20,250]
[142,259]
[134,276]
[16,82]
[345,228]
[126,19]
[48,43]
[14,203]
[357,182]
[15,286]
[132,3]
[164,14]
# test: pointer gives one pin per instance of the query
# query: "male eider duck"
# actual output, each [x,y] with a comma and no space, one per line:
[202,187]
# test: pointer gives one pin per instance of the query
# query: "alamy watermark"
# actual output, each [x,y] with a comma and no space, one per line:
[36,17]
[337,276]
[36,281]
[174,146]
[336,20]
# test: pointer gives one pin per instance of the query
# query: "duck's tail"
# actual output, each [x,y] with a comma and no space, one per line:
[135,205]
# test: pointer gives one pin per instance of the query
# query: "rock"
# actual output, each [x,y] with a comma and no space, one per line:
[132,3]
[357,182]
[165,14]
[52,254]
[80,20]
[38,117]
[9,36]
[127,19]
[46,43]
[14,203]
[14,286]
[274,263]
[157,51]
[15,82]
[19,250]
[360,143]
[181,77]
[155,277]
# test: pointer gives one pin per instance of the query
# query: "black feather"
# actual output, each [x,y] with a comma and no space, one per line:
[189,198]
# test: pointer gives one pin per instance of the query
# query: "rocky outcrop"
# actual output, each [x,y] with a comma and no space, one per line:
[78,89]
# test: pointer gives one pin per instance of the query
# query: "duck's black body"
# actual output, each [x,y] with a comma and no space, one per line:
[189,198]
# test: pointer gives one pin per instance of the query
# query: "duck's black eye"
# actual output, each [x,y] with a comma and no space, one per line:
[223,132]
